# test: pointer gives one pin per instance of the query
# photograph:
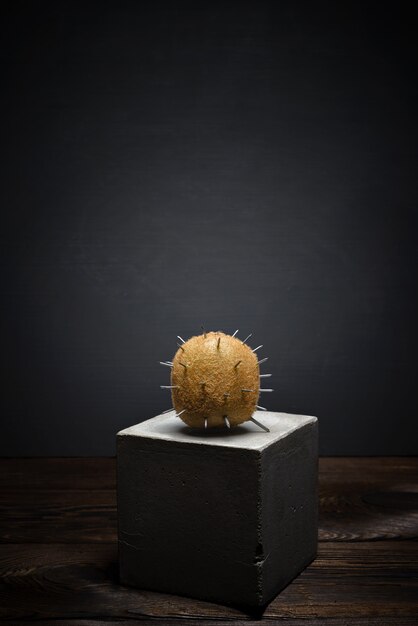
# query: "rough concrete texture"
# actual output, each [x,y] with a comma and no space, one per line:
[226,516]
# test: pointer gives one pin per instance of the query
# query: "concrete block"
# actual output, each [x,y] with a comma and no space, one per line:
[225,516]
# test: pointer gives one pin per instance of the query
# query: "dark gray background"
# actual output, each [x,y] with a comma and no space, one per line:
[242,165]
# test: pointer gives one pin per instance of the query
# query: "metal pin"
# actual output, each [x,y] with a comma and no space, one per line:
[265,375]
[265,390]
[262,408]
[181,347]
[219,343]
[235,332]
[259,424]
[181,339]
[168,386]
[167,411]
[185,366]
[253,390]
[257,348]
[262,360]
[169,364]
[247,338]
[236,364]
[227,421]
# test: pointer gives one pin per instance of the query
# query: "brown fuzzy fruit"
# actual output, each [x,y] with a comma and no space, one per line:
[215,376]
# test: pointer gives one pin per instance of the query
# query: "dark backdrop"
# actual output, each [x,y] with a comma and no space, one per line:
[242,165]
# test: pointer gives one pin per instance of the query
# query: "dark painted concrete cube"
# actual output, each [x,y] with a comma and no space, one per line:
[226,516]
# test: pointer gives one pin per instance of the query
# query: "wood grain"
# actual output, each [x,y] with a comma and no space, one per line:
[363,499]
[58,556]
[68,500]
[40,581]
[338,621]
[58,516]
[46,474]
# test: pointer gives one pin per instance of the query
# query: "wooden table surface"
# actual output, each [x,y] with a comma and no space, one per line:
[58,550]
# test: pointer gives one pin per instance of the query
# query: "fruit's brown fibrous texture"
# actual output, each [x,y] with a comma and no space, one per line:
[209,373]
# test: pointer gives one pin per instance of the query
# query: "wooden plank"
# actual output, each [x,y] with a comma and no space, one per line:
[73,500]
[361,580]
[57,499]
[53,473]
[363,499]
[100,472]
[47,516]
[354,580]
[74,581]
[44,501]
[345,621]
[58,516]
[341,467]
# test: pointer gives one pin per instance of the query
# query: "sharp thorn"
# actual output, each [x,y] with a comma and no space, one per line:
[265,375]
[262,360]
[168,386]
[247,338]
[227,421]
[259,424]
[235,332]
[262,408]
[265,390]
[167,364]
[181,413]
[257,348]
[206,422]
[181,339]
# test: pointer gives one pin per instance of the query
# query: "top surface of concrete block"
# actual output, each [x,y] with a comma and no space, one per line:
[246,436]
